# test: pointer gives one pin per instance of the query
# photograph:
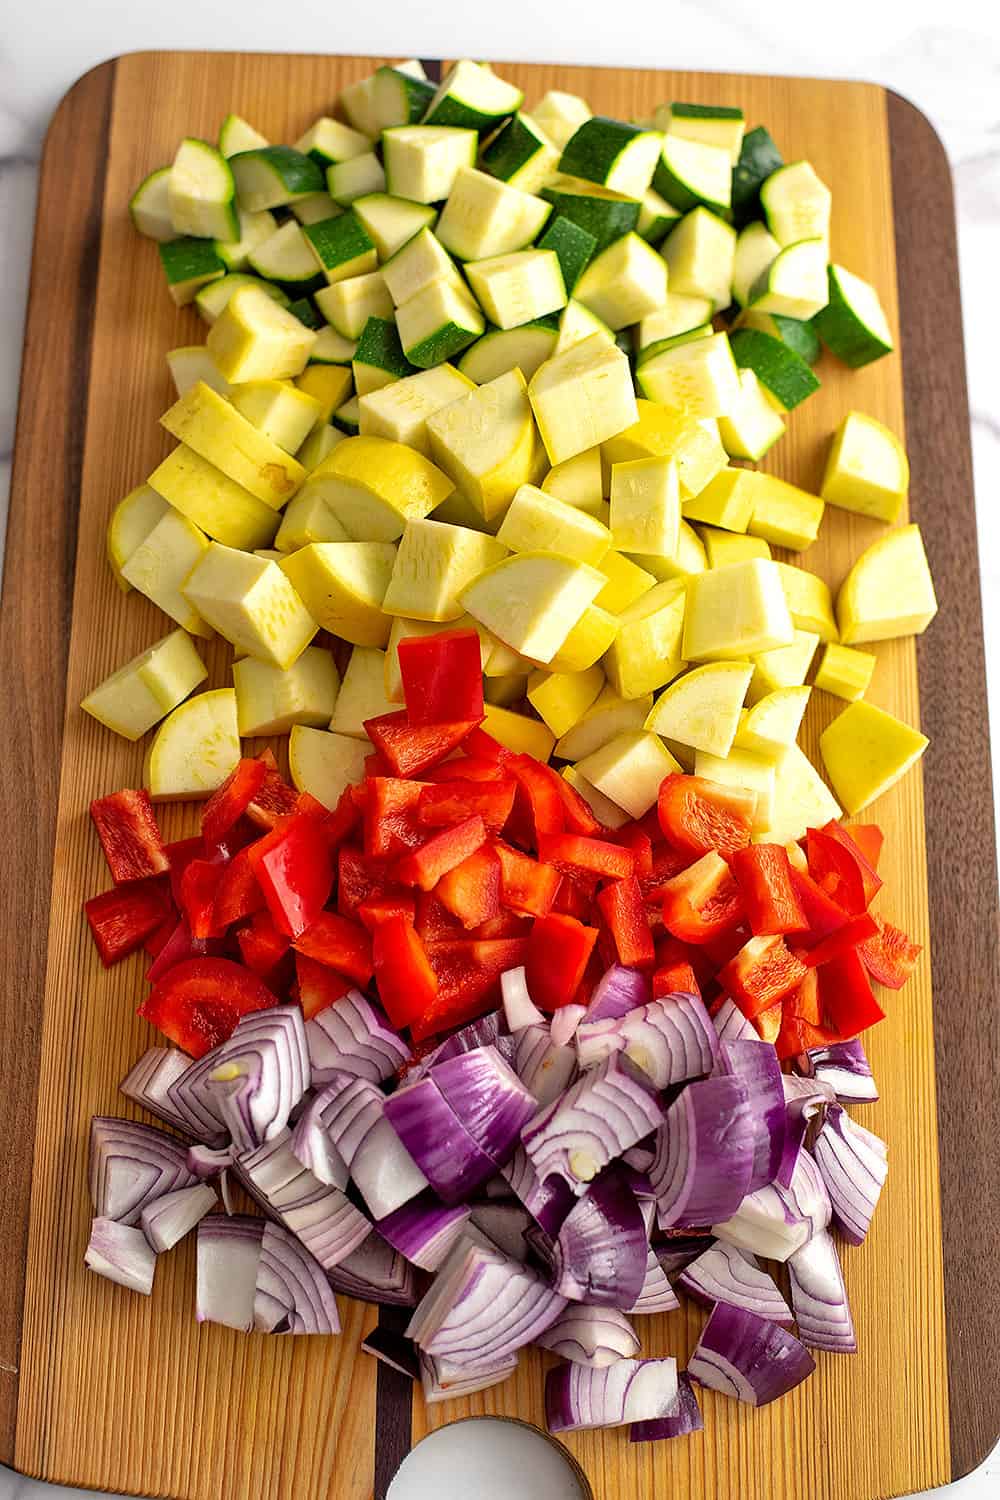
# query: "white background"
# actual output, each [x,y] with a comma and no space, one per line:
[946,58]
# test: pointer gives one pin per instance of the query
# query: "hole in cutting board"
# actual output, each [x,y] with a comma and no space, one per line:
[493,1458]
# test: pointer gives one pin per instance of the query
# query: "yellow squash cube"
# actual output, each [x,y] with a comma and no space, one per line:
[153,683]
[772,725]
[783,514]
[609,716]
[194,749]
[532,600]
[132,519]
[400,410]
[330,385]
[592,635]
[373,486]
[783,667]
[279,410]
[668,432]
[270,699]
[725,547]
[604,810]
[628,769]
[434,564]
[537,522]
[626,583]
[324,764]
[578,481]
[727,501]
[519,733]
[251,603]
[582,397]
[216,504]
[810,603]
[867,469]
[646,653]
[844,671]
[746,769]
[161,563]
[255,339]
[646,506]
[889,591]
[865,751]
[736,612]
[802,799]
[702,708]
[562,698]
[486,442]
[213,428]
[307,519]
[362,693]
[688,560]
[342,585]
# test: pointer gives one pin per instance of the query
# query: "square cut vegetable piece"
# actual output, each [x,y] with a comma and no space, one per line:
[624,283]
[628,769]
[307,519]
[403,629]
[516,288]
[604,810]
[400,410]
[255,339]
[251,604]
[419,262]
[582,397]
[537,522]
[736,612]
[562,698]
[727,501]
[809,601]
[725,547]
[347,305]
[214,502]
[485,441]
[607,717]
[212,426]
[194,750]
[532,600]
[422,161]
[668,432]
[484,216]
[783,667]
[278,410]
[438,321]
[865,751]
[626,583]
[138,695]
[646,652]
[772,724]
[578,481]
[844,671]
[161,563]
[342,246]
[700,376]
[518,732]
[699,254]
[802,799]
[342,585]
[702,708]
[362,693]
[270,699]
[783,514]
[373,486]
[646,506]
[745,769]
[325,764]
[434,564]
[592,635]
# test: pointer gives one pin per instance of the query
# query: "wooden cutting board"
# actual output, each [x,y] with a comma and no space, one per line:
[102,1388]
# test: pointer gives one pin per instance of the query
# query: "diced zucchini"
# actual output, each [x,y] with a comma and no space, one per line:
[314,208]
[213,299]
[867,470]
[668,432]
[581,397]
[500,350]
[618,156]
[255,339]
[358,103]
[329,141]
[347,305]
[308,518]
[800,337]
[604,214]
[756,249]
[520,154]
[399,98]
[783,667]
[722,548]
[253,231]
[421,161]
[624,282]
[485,442]
[437,322]
[271,701]
[149,207]
[484,217]
[379,357]
[752,425]
[342,247]
[160,564]
[778,368]
[700,375]
[318,445]
[853,325]
[656,217]
[236,135]
[279,410]
[357,178]
[531,600]
[132,519]
[517,288]
[796,204]
[331,348]
[419,262]
[560,115]
[734,613]
[216,504]
[586,643]
[794,284]
[201,193]
[151,685]
[626,583]
[375,487]
[604,810]
[192,363]
[810,603]
[189,264]
[391,222]
[342,585]
[273,176]
[759,159]
[680,314]
[473,97]
[251,603]
[562,698]
[629,768]
[573,247]
[699,254]
[712,124]
[726,501]
[690,175]
[577,323]
[704,331]
[287,257]
[400,410]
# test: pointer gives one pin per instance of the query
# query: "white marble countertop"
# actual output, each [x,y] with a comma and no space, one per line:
[945,59]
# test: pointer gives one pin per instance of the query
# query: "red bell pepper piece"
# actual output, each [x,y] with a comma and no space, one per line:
[702,901]
[317,987]
[798,1034]
[575,898]
[538,782]
[393,904]
[262,946]
[821,912]
[622,908]
[412,748]
[671,951]
[763,873]
[442,677]
[122,918]
[889,955]
[725,945]
[199,884]
[559,948]
[471,891]
[179,855]
[869,839]
[237,895]
[274,798]
[854,931]
[468,975]
[231,800]
[294,868]
[424,867]
[407,985]
[847,1000]
[677,978]
[667,863]
[840,869]
[699,815]
[180,946]
[762,973]
[434,922]
[804,1001]
[769,1022]
[631,836]
[484,747]
[358,878]
[376,765]
[466,768]
[390,816]
[578,816]
[197,1004]
[158,940]
[450,802]
[340,944]
[527,886]
[130,836]
[344,819]
[507,925]
[574,852]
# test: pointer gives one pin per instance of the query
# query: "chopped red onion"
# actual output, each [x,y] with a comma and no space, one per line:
[679,1249]
[130,1165]
[506,1225]
[438,1142]
[375,1272]
[254,1079]
[211,1164]
[748,1357]
[724,1274]
[688,1418]
[444,1381]
[845,1067]
[292,1295]
[488,1099]
[325,1220]
[122,1254]
[672,1039]
[618,991]
[596,1336]
[394,1350]
[545,1069]
[424,1230]
[482,1308]
[605,1112]
[548,1202]
[484,1031]
[819,1298]
[731,1024]
[565,1022]
[519,1008]
[354,1036]
[642,1156]
[601,1250]
[806,1101]
[657,1294]
[578,1396]
[228,1258]
[167,1220]
[343,1132]
[853,1163]
[757,1064]
[312,1140]
[704,1154]
[775,1221]
[149,1082]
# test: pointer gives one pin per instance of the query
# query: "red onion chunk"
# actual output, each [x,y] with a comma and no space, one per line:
[671,1039]
[485,1031]
[488,1099]
[757,1064]
[424,1230]
[324,1220]
[564,1023]
[228,1257]
[394,1350]
[547,1202]
[375,1272]
[506,1225]
[704,1154]
[596,1336]
[255,1079]
[450,1159]
[130,1165]
[545,1069]
[149,1083]
[482,1307]
[291,1294]
[731,1024]
[121,1253]
[724,1274]
[600,1253]
[853,1164]
[819,1297]
[679,1249]
[748,1357]
[845,1067]
[343,1131]
[167,1220]
[657,1294]
[688,1418]
[605,1112]
[617,992]
[776,1221]
[443,1381]
[578,1396]
[806,1101]
[353,1036]
[519,1008]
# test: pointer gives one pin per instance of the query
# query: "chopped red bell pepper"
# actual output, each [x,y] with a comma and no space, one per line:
[821,912]
[158,940]
[407,985]
[358,878]
[199,884]
[723,946]
[424,867]
[526,886]
[316,986]
[804,1001]
[442,677]
[631,836]
[539,784]
[578,816]
[677,978]
[130,836]
[450,802]
[702,901]
[468,974]
[572,852]
[294,868]
[762,973]
[471,891]
[390,816]
[671,951]
[667,863]
[275,798]
[763,873]
[340,944]
[262,946]
[197,1004]
[393,904]
[575,896]
[769,1022]
[699,815]
[854,931]
[559,948]
[507,925]
[838,866]
[847,1000]
[622,908]
[122,918]
[180,854]
[798,1034]
[466,768]
[889,955]
[484,747]
[178,947]
[411,748]
[434,922]
[237,894]
[232,799]
[377,765]
[344,819]
[869,839]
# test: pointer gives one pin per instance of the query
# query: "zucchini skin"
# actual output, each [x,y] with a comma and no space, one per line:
[776,366]
[759,157]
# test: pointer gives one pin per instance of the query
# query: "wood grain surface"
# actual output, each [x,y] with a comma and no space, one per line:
[102,1388]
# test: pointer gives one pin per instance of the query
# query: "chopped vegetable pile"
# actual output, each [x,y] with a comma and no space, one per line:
[530,1049]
